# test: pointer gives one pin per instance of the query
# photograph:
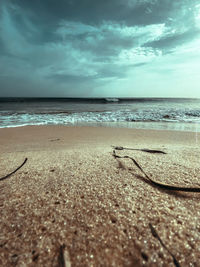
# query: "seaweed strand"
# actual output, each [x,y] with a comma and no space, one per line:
[158,184]
[139,149]
[8,175]
[155,234]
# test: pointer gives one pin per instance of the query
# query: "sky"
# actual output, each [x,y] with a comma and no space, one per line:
[93,48]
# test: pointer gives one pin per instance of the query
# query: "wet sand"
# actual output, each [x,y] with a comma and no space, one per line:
[73,203]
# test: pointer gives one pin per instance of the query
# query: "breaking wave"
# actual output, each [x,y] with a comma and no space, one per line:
[9,119]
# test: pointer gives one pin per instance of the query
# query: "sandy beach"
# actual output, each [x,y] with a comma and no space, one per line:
[74,204]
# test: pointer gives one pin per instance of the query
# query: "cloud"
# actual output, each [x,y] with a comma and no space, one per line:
[173,40]
[93,12]
[88,47]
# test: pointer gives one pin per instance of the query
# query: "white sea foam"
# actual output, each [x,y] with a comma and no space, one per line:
[108,116]
[79,114]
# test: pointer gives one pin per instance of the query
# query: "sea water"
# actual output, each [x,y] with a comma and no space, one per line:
[147,113]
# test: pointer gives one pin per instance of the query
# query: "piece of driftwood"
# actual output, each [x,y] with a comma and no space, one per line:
[160,185]
[138,149]
[8,175]
[155,234]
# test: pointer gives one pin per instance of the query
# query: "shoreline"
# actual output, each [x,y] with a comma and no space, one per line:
[145,125]
[73,200]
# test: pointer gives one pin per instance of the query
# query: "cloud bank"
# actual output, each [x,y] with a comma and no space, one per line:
[93,48]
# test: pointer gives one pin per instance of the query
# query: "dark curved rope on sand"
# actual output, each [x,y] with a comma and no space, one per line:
[8,175]
[160,185]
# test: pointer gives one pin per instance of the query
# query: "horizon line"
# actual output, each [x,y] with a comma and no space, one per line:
[106,97]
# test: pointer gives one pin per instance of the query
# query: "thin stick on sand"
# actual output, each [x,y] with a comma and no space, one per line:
[8,175]
[63,258]
[155,234]
[160,185]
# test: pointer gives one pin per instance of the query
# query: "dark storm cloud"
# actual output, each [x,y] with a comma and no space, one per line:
[47,15]
[75,42]
[105,43]
[86,11]
[132,12]
[173,40]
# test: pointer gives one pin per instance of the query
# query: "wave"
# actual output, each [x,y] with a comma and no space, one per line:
[112,100]
[65,118]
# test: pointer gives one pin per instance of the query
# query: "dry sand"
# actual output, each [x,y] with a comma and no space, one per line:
[73,193]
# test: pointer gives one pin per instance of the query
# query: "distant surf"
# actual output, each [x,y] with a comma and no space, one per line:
[112,99]
[96,111]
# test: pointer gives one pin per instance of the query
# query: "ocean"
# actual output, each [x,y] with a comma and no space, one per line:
[145,113]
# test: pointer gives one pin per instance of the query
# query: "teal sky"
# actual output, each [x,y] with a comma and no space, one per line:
[92,48]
